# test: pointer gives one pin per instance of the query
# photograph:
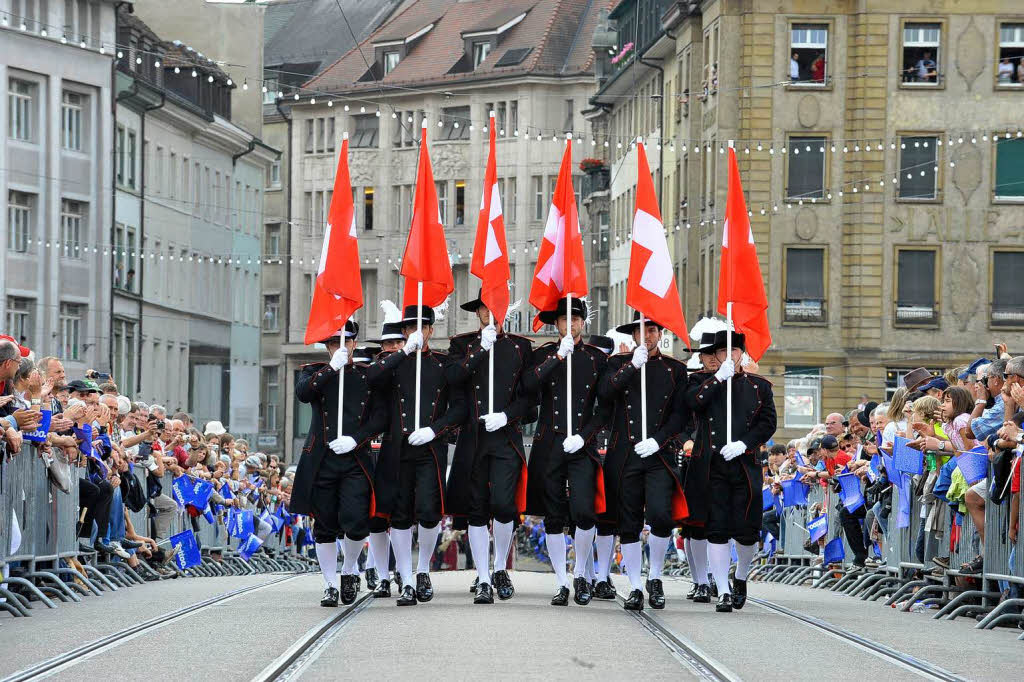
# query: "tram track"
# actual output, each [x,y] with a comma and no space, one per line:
[88,650]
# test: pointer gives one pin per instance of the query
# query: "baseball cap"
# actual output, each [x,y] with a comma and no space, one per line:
[936,382]
[829,443]
[21,349]
[83,386]
[815,444]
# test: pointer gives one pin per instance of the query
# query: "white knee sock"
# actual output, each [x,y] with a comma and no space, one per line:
[699,568]
[327,557]
[583,541]
[369,563]
[502,543]
[588,562]
[353,548]
[605,547]
[428,541]
[720,557]
[659,546]
[380,546]
[632,556]
[556,550]
[744,557]
[688,551]
[401,540]
[480,548]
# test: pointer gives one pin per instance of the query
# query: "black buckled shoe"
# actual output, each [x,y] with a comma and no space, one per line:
[330,597]
[383,589]
[372,579]
[604,590]
[484,594]
[713,586]
[399,585]
[703,595]
[692,593]
[635,601]
[581,591]
[655,594]
[472,587]
[348,588]
[407,597]
[724,604]
[424,590]
[561,597]
[739,593]
[503,585]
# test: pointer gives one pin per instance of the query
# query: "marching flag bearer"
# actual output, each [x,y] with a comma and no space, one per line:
[333,482]
[642,469]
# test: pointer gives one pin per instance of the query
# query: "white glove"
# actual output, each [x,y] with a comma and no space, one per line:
[494,421]
[422,436]
[573,443]
[640,355]
[339,359]
[342,444]
[731,451]
[413,343]
[488,335]
[646,447]
[726,371]
[566,346]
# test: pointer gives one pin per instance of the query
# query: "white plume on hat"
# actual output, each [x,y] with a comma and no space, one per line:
[618,338]
[694,362]
[391,312]
[440,310]
[706,325]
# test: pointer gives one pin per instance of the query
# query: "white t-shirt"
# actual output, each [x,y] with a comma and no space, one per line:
[889,432]
[794,69]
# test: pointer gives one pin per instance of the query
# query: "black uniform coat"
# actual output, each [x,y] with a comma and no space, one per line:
[666,415]
[385,472]
[468,369]
[753,422]
[362,419]
[545,381]
[441,408]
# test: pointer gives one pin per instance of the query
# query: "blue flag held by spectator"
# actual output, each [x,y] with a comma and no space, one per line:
[903,517]
[241,524]
[186,550]
[799,459]
[248,546]
[906,458]
[890,466]
[818,527]
[850,492]
[767,499]
[793,493]
[834,552]
[39,435]
[875,467]
[973,464]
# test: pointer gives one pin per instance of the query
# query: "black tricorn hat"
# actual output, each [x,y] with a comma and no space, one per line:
[579,309]
[630,327]
[390,332]
[864,416]
[472,306]
[707,343]
[602,342]
[738,340]
[426,313]
[351,331]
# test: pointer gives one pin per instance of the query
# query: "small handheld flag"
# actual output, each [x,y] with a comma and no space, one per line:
[973,464]
[186,550]
[818,527]
[906,458]
[850,492]
[834,552]
[794,493]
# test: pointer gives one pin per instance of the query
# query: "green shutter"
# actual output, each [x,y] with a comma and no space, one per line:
[1009,168]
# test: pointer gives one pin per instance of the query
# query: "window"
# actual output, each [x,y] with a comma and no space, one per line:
[367,208]
[319,135]
[1007,293]
[274,179]
[460,202]
[917,168]
[272,239]
[366,131]
[1009,183]
[124,354]
[480,52]
[270,399]
[805,285]
[538,197]
[308,127]
[601,303]
[921,54]
[71,228]
[125,258]
[71,121]
[569,112]
[20,96]
[1010,69]
[270,90]
[603,231]
[442,201]
[894,379]
[508,201]
[513,117]
[455,123]
[271,312]
[19,319]
[915,286]
[70,331]
[19,220]
[129,161]
[500,117]
[805,177]
[390,61]
[808,59]
[802,403]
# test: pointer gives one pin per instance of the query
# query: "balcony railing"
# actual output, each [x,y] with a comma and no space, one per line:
[805,310]
[915,314]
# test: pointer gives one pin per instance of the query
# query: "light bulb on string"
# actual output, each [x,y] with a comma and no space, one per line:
[296,97]
[194,73]
[346,109]
[330,102]
[362,110]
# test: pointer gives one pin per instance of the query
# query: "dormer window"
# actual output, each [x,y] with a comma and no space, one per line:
[480,51]
[391,59]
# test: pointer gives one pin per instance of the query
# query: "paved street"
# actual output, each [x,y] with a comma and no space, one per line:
[450,638]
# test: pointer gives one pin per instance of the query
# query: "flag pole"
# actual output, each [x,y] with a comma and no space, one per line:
[341,387]
[643,368]
[728,356]
[568,366]
[490,372]
[419,353]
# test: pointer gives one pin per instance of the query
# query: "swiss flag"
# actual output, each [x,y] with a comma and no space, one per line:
[426,251]
[739,280]
[560,268]
[490,252]
[651,287]
[338,290]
